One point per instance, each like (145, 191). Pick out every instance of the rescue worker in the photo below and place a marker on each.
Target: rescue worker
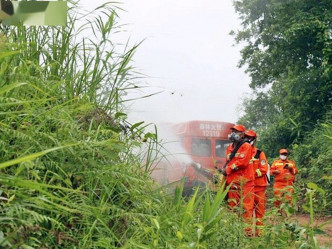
(284, 171)
(239, 175)
(260, 167)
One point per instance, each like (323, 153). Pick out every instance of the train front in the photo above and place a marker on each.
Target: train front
(205, 142)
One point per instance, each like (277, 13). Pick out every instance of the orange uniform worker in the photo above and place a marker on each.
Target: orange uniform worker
(238, 173)
(284, 171)
(260, 166)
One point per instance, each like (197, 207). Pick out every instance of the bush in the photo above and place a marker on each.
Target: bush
(314, 158)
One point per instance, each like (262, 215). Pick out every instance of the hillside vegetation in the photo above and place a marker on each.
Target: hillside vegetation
(288, 54)
(70, 177)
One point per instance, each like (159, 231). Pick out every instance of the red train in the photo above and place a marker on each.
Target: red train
(197, 144)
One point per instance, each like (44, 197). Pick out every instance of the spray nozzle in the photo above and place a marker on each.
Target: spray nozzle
(196, 165)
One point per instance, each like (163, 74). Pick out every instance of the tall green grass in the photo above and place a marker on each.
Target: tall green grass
(65, 179)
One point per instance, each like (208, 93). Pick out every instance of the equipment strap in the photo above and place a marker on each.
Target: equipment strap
(257, 154)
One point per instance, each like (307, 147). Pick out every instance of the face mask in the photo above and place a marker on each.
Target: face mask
(283, 157)
(234, 137)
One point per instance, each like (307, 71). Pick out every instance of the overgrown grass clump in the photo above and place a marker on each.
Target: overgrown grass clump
(69, 175)
(315, 156)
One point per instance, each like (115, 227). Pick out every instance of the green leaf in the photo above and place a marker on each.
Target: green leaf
(150, 135)
(206, 210)
(330, 137)
(178, 194)
(10, 87)
(325, 223)
(136, 125)
(314, 186)
(120, 115)
(7, 54)
(33, 156)
(189, 211)
(156, 223)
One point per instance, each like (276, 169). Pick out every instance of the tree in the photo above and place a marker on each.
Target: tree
(288, 52)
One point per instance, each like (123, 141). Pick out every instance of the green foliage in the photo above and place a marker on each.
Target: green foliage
(66, 178)
(293, 36)
(288, 56)
(314, 156)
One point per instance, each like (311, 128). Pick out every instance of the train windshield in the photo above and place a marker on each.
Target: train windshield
(221, 146)
(201, 147)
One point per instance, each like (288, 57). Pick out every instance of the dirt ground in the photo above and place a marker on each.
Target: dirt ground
(324, 240)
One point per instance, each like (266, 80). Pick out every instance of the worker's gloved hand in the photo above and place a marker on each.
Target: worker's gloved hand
(258, 172)
(286, 166)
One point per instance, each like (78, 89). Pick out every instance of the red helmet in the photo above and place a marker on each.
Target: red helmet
(250, 133)
(240, 128)
(283, 151)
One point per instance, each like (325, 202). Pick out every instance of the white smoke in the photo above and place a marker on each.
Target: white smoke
(170, 159)
(171, 145)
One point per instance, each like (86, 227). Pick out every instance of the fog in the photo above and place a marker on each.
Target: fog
(171, 159)
(187, 56)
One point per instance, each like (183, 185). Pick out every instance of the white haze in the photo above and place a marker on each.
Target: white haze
(170, 157)
(187, 55)
(171, 145)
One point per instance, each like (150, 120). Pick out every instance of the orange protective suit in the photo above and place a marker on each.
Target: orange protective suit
(260, 166)
(284, 179)
(241, 178)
